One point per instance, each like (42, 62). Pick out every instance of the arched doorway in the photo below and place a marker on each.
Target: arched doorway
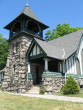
(78, 66)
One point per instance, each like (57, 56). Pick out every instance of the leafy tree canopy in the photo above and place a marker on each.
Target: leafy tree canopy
(3, 51)
(60, 30)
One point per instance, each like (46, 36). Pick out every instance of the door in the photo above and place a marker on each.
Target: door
(37, 75)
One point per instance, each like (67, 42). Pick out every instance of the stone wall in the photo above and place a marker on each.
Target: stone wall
(17, 65)
(54, 84)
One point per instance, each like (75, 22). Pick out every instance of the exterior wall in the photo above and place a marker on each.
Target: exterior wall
(79, 55)
(55, 84)
(75, 62)
(52, 84)
(71, 65)
(17, 65)
(1, 77)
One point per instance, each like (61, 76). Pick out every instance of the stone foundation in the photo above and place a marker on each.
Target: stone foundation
(55, 84)
(52, 85)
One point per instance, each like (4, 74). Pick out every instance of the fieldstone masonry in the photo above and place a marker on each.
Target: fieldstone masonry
(52, 84)
(17, 66)
(16, 70)
(55, 84)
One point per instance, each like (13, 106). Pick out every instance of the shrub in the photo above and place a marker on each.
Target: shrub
(0, 88)
(71, 86)
(42, 90)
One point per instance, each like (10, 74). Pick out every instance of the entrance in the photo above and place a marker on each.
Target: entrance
(37, 75)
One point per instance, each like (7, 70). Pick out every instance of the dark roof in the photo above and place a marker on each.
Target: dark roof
(68, 42)
(63, 47)
(27, 13)
(50, 50)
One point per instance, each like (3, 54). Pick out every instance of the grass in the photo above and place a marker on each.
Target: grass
(12, 102)
(72, 95)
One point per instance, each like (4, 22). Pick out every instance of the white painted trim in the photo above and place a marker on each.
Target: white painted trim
(63, 53)
(46, 63)
(29, 68)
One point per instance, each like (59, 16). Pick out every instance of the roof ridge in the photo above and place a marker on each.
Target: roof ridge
(48, 44)
(66, 35)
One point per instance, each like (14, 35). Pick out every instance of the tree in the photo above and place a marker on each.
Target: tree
(3, 51)
(71, 86)
(60, 31)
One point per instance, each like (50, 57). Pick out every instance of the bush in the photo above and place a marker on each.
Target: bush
(0, 88)
(71, 86)
(42, 90)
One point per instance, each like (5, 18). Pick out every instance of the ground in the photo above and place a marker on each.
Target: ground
(13, 102)
(71, 95)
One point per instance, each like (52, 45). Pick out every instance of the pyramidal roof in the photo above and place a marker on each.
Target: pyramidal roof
(28, 14)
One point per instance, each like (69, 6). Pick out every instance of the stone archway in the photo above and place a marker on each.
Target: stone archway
(78, 66)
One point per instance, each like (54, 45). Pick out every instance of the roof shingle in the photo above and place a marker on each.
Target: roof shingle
(63, 47)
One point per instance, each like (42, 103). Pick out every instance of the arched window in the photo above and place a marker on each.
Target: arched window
(78, 66)
(33, 27)
(16, 27)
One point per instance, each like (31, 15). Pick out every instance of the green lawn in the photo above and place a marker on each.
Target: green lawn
(12, 102)
(72, 95)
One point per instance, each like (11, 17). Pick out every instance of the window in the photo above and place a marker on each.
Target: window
(78, 66)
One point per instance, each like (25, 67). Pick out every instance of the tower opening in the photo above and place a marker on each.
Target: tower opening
(33, 27)
(16, 28)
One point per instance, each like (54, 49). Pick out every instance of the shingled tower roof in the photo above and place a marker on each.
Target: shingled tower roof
(26, 13)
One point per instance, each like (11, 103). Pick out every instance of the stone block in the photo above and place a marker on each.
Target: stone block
(48, 79)
(45, 83)
(48, 88)
(81, 83)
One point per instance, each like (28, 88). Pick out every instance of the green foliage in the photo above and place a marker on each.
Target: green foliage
(42, 90)
(60, 31)
(71, 86)
(0, 88)
(3, 51)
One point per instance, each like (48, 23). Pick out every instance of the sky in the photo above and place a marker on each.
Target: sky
(50, 12)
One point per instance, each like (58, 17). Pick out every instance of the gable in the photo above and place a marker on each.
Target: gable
(35, 51)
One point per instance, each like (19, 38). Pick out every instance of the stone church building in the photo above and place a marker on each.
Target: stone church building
(33, 61)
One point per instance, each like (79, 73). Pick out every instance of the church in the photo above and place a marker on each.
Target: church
(33, 61)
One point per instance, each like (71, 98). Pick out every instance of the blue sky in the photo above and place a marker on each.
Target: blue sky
(50, 12)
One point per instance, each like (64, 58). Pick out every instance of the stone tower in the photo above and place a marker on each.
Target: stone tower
(22, 30)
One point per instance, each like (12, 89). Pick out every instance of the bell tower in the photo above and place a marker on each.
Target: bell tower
(26, 22)
(22, 30)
